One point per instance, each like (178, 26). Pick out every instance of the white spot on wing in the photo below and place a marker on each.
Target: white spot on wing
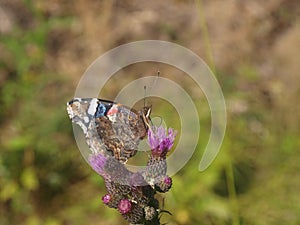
(93, 106)
(70, 111)
(86, 119)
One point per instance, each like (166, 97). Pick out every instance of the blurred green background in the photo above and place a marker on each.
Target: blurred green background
(45, 47)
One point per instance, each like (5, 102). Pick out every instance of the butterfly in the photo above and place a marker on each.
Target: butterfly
(110, 127)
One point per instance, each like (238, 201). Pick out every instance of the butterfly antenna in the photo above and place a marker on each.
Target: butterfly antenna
(154, 82)
(150, 87)
(145, 94)
(156, 79)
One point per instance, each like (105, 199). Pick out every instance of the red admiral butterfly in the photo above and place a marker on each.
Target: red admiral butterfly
(110, 127)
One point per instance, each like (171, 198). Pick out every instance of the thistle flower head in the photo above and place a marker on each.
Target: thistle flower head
(124, 206)
(168, 180)
(106, 198)
(161, 141)
(164, 184)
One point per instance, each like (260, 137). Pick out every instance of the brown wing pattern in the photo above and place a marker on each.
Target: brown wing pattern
(122, 135)
(109, 127)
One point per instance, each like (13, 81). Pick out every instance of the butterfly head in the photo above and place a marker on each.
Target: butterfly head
(146, 111)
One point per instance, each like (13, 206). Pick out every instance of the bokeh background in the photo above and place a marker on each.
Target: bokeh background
(253, 47)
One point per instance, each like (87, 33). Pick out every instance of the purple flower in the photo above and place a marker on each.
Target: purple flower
(168, 180)
(160, 141)
(124, 206)
(98, 162)
(106, 198)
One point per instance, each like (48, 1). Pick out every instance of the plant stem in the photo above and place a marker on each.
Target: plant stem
(232, 193)
(204, 29)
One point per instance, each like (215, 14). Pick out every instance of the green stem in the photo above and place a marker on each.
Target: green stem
(204, 29)
(232, 194)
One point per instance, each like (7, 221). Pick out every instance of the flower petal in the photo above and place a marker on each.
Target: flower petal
(161, 141)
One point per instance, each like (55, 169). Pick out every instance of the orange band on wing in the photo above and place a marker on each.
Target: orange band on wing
(113, 110)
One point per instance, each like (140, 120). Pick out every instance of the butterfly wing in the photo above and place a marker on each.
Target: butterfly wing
(108, 126)
(121, 130)
(82, 112)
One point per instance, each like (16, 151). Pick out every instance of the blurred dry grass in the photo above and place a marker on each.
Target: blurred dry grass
(45, 48)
